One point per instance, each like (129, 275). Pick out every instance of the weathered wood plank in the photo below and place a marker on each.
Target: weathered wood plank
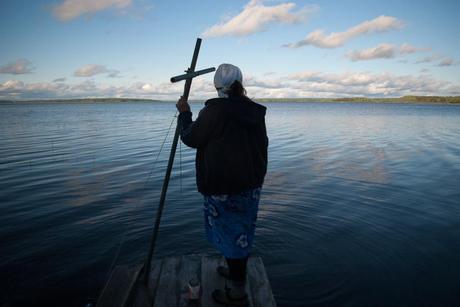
(248, 291)
(262, 295)
(167, 293)
(144, 296)
(118, 289)
(190, 268)
(210, 280)
(169, 279)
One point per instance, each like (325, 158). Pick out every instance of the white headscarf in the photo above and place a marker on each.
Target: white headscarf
(224, 77)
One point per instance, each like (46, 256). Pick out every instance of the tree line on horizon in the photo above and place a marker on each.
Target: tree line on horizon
(402, 99)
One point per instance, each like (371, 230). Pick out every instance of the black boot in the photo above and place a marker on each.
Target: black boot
(223, 271)
(233, 296)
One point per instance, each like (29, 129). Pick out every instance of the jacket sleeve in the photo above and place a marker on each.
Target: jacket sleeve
(197, 133)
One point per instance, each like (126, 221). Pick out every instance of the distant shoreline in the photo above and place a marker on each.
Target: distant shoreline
(403, 99)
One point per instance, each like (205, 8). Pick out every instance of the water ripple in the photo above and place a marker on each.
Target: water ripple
(360, 206)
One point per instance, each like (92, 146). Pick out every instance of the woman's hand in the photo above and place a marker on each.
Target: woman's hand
(182, 105)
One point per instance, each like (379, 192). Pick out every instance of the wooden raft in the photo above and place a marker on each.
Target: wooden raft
(168, 284)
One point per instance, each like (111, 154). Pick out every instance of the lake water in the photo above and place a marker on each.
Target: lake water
(361, 204)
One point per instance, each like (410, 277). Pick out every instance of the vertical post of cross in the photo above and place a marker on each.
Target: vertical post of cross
(190, 74)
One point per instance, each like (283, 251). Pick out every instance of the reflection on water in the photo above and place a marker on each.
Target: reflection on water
(360, 205)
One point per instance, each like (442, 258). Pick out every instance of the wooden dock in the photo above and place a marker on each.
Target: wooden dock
(168, 284)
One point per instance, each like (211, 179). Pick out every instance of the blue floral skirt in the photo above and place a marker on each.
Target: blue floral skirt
(230, 222)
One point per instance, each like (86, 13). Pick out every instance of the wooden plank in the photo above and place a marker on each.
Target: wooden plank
(118, 289)
(167, 293)
(248, 290)
(260, 286)
(169, 279)
(144, 296)
(210, 280)
(190, 268)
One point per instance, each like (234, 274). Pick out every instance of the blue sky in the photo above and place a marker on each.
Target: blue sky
(130, 48)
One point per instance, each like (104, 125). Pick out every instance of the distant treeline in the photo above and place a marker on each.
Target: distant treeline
(403, 99)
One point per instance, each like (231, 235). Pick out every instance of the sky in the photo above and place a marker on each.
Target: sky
(285, 49)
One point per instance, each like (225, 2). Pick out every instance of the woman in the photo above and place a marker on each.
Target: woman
(231, 161)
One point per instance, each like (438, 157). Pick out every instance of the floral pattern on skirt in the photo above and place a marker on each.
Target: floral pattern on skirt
(230, 221)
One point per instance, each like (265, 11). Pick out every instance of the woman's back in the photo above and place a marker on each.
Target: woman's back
(234, 158)
(231, 161)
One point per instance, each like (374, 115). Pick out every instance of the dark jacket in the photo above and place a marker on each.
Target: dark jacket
(231, 141)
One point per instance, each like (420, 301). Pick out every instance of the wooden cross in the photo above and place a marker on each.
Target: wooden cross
(190, 74)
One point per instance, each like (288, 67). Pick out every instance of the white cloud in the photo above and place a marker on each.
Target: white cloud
(90, 70)
(443, 61)
(427, 59)
(382, 51)
(370, 84)
(113, 73)
(14, 89)
(350, 84)
(407, 49)
(256, 16)
(70, 9)
(319, 39)
(446, 62)
(95, 69)
(301, 84)
(20, 66)
(12, 84)
(267, 83)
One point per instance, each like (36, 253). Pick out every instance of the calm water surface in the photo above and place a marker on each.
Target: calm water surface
(361, 205)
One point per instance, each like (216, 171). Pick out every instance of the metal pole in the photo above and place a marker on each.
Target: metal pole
(187, 86)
